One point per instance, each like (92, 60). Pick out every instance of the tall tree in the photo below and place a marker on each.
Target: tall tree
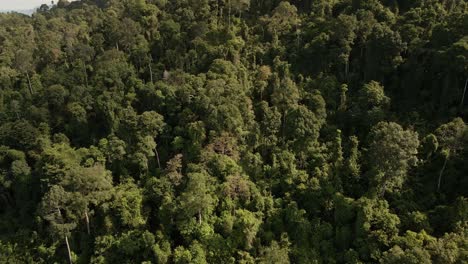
(451, 137)
(392, 151)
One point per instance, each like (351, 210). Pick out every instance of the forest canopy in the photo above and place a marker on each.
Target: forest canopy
(235, 131)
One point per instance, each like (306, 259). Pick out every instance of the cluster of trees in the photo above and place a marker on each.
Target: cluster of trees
(234, 131)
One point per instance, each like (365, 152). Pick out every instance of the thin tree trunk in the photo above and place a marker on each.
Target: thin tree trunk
(151, 72)
(85, 73)
(157, 157)
(441, 173)
(229, 14)
(298, 36)
(275, 38)
(29, 83)
(221, 15)
(87, 222)
(151, 69)
(383, 190)
(464, 92)
(199, 217)
(69, 252)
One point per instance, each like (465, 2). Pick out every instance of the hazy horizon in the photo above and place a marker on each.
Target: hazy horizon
(15, 5)
(22, 5)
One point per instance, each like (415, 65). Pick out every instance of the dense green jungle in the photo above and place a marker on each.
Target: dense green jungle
(235, 131)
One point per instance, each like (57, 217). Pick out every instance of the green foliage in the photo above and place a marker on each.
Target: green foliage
(127, 203)
(392, 151)
(376, 227)
(276, 252)
(234, 131)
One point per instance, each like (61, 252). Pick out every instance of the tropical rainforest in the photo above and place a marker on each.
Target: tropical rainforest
(235, 131)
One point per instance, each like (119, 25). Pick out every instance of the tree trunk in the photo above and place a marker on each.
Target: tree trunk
(151, 72)
(463, 96)
(298, 37)
(221, 14)
(283, 125)
(29, 84)
(157, 157)
(69, 252)
(383, 190)
(151, 69)
(87, 222)
(385, 181)
(85, 73)
(441, 173)
(229, 14)
(199, 217)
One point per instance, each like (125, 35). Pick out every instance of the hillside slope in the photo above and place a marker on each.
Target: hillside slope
(235, 131)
